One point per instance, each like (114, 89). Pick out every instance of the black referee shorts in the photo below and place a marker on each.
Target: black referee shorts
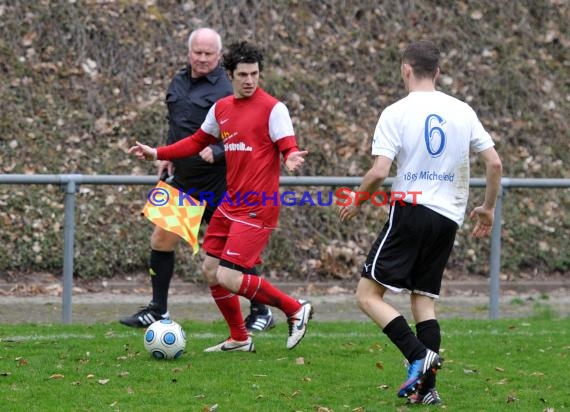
(412, 250)
(185, 186)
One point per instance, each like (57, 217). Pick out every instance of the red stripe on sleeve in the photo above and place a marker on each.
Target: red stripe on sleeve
(287, 145)
(189, 146)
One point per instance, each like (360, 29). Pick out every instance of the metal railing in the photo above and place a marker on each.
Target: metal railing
(70, 185)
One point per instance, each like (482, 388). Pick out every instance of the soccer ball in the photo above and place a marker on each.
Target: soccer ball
(165, 339)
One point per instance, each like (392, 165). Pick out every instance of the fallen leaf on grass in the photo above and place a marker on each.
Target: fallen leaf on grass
(103, 381)
(511, 398)
(210, 408)
(323, 409)
(379, 365)
(499, 369)
(300, 361)
(375, 347)
(22, 361)
(57, 376)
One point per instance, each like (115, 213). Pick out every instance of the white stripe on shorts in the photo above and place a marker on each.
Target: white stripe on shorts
(372, 273)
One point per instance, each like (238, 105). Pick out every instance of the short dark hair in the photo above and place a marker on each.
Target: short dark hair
(242, 52)
(423, 56)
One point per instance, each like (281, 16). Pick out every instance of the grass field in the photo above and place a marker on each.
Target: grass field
(503, 365)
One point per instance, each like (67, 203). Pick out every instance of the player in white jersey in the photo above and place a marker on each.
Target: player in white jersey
(430, 135)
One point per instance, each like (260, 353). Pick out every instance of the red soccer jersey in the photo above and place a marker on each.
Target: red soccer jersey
(254, 131)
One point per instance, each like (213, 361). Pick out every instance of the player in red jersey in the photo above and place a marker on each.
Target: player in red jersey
(256, 130)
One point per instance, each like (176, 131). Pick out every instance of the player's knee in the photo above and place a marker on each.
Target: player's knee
(163, 240)
(229, 279)
(223, 278)
(209, 272)
(363, 299)
(423, 307)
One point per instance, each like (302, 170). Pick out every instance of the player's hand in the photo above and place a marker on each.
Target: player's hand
(484, 222)
(295, 160)
(207, 154)
(143, 152)
(348, 212)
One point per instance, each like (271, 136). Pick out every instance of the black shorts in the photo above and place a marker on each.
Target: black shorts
(412, 250)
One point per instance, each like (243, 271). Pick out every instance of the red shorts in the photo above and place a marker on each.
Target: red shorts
(236, 241)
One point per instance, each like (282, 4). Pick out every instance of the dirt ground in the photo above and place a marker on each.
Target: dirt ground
(37, 299)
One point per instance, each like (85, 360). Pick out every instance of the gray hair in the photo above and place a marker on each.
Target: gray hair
(205, 30)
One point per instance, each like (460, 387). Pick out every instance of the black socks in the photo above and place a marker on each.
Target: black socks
(429, 333)
(400, 333)
(161, 270)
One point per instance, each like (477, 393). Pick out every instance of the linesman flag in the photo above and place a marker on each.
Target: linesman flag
(166, 208)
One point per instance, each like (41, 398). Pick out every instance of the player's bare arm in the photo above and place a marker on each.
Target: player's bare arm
(370, 183)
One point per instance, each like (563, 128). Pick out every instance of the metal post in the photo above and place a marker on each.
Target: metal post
(68, 239)
(495, 260)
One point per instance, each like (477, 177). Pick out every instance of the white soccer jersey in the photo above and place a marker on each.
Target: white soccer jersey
(430, 135)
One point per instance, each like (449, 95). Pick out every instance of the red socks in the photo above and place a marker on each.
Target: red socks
(262, 291)
(254, 288)
(230, 307)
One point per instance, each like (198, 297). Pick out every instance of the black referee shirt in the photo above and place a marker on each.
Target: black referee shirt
(188, 101)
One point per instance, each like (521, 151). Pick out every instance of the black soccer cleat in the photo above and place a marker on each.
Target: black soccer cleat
(144, 317)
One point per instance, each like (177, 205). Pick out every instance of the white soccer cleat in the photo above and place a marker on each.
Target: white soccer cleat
(230, 345)
(298, 324)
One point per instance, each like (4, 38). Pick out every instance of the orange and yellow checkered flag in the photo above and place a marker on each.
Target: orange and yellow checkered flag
(173, 210)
